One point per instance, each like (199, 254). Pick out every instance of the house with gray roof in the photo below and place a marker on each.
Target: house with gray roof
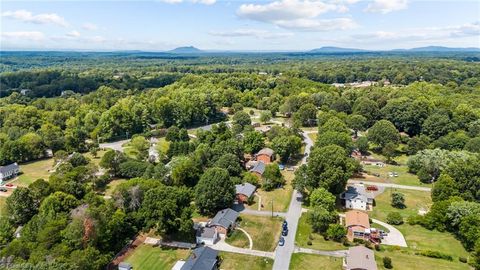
(258, 169)
(202, 258)
(206, 235)
(244, 192)
(224, 220)
(356, 197)
(359, 258)
(9, 171)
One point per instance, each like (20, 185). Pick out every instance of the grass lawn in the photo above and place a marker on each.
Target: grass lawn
(265, 231)
(313, 136)
(162, 145)
(244, 262)
(311, 261)
(406, 260)
(95, 160)
(280, 196)
(404, 177)
(3, 201)
(113, 185)
(34, 170)
(238, 239)
(147, 257)
(304, 230)
(414, 200)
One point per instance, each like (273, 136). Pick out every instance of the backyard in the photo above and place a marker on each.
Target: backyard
(34, 170)
(244, 262)
(406, 260)
(304, 230)
(414, 200)
(147, 257)
(280, 196)
(312, 261)
(264, 231)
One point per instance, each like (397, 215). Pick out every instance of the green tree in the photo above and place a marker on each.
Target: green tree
(306, 115)
(214, 191)
(265, 116)
(253, 141)
(21, 205)
(320, 218)
(140, 147)
(390, 151)
(111, 160)
(286, 146)
(398, 200)
(382, 133)
(444, 188)
(321, 197)
(242, 119)
(362, 145)
(336, 232)
(230, 162)
(356, 122)
(394, 218)
(368, 109)
(272, 177)
(387, 262)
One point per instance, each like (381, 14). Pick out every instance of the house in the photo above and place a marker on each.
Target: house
(125, 266)
(358, 225)
(357, 197)
(224, 221)
(25, 92)
(359, 258)
(9, 171)
(258, 169)
(18, 231)
(207, 235)
(265, 155)
(244, 192)
(202, 258)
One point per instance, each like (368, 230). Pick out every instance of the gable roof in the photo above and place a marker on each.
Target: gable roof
(225, 218)
(258, 168)
(246, 189)
(357, 218)
(360, 257)
(9, 167)
(202, 258)
(357, 191)
(265, 151)
(206, 232)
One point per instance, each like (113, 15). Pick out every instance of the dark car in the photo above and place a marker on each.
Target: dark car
(3, 189)
(281, 242)
(285, 224)
(285, 232)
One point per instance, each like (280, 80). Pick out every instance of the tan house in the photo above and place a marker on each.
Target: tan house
(359, 258)
(265, 155)
(358, 224)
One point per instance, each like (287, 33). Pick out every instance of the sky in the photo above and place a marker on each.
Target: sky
(240, 25)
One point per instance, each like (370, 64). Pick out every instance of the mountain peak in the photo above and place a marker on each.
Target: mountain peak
(186, 49)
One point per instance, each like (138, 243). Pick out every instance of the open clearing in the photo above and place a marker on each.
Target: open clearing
(311, 261)
(279, 196)
(414, 200)
(147, 257)
(244, 262)
(405, 260)
(34, 170)
(264, 231)
(304, 230)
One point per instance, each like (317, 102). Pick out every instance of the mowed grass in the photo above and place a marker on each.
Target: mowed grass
(313, 136)
(265, 231)
(244, 262)
(113, 185)
(406, 260)
(34, 170)
(302, 261)
(414, 200)
(95, 160)
(238, 239)
(147, 257)
(280, 197)
(304, 230)
(3, 202)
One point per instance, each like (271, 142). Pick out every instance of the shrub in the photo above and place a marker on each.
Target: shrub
(435, 254)
(462, 259)
(387, 262)
(398, 200)
(394, 218)
(309, 242)
(336, 232)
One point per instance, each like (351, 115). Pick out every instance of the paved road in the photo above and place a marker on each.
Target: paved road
(427, 189)
(333, 253)
(114, 145)
(283, 254)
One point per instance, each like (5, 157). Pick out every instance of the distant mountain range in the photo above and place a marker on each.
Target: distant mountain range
(187, 49)
(335, 50)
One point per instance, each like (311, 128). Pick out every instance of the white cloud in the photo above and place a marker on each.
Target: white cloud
(386, 6)
(261, 34)
(73, 34)
(29, 36)
(27, 16)
(90, 26)
(205, 2)
(298, 14)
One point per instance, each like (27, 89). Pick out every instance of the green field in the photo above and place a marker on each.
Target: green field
(405, 260)
(95, 160)
(304, 230)
(238, 239)
(280, 197)
(34, 170)
(244, 262)
(265, 231)
(301, 261)
(414, 200)
(2, 205)
(147, 257)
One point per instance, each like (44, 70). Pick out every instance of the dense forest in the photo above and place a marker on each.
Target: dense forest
(424, 106)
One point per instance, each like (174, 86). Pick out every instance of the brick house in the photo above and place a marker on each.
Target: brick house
(224, 221)
(265, 155)
(358, 224)
(244, 192)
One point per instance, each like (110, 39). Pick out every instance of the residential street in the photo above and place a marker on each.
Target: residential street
(427, 189)
(284, 254)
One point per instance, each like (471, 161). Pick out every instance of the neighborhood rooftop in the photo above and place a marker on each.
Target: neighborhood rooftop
(357, 190)
(259, 167)
(355, 217)
(203, 258)
(8, 168)
(360, 257)
(206, 232)
(265, 151)
(225, 218)
(246, 189)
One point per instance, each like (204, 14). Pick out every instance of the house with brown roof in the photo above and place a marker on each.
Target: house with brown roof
(359, 258)
(358, 224)
(266, 155)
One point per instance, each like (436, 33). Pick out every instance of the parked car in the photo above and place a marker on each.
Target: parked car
(9, 185)
(285, 232)
(372, 188)
(395, 174)
(3, 189)
(390, 174)
(284, 224)
(281, 242)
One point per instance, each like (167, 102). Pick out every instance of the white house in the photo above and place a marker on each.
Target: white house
(9, 171)
(207, 235)
(356, 197)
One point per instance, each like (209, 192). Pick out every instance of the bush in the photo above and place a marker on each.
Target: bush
(387, 262)
(394, 218)
(309, 242)
(435, 254)
(398, 200)
(132, 169)
(462, 259)
(336, 232)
